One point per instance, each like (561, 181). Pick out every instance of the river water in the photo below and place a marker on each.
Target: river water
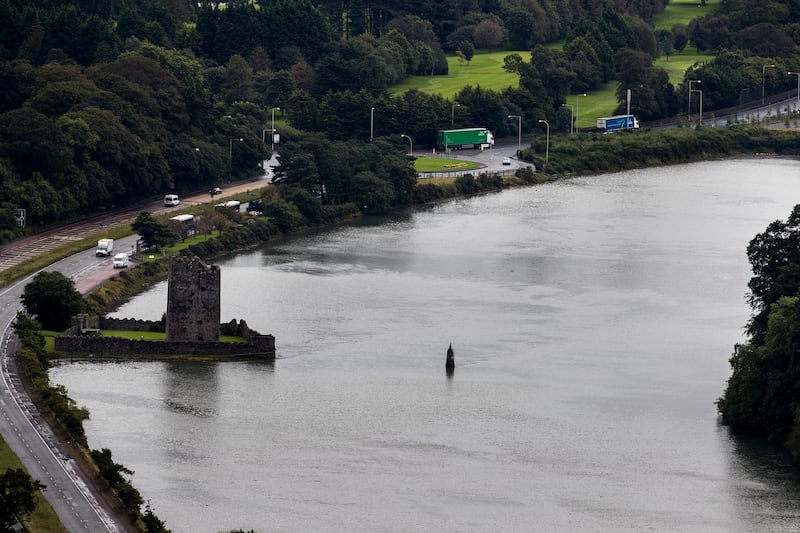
(592, 321)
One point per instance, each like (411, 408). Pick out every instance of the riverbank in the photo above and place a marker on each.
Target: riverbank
(592, 321)
(252, 234)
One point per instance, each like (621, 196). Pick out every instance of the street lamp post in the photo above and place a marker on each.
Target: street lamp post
(272, 137)
(453, 114)
(571, 117)
(689, 115)
(763, 81)
(797, 107)
(230, 154)
(547, 144)
(700, 120)
(371, 123)
(577, 100)
(410, 143)
(519, 131)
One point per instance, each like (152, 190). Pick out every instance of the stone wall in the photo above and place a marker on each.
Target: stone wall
(82, 338)
(132, 324)
(193, 300)
(262, 346)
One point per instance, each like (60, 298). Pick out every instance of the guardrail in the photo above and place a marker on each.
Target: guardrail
(459, 173)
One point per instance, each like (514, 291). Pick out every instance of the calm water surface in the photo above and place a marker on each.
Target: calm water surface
(592, 321)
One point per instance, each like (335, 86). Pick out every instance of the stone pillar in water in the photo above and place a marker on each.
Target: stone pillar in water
(450, 364)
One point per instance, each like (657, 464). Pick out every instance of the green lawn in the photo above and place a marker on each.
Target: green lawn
(441, 164)
(157, 336)
(682, 12)
(485, 69)
(677, 64)
(599, 103)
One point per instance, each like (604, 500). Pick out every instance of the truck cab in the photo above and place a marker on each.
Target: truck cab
(104, 247)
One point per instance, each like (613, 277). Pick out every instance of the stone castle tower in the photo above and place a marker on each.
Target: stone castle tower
(193, 300)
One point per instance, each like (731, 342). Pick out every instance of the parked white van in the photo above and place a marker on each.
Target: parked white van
(171, 200)
(121, 260)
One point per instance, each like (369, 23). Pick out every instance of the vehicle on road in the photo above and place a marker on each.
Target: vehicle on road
(171, 200)
(506, 161)
(104, 247)
(121, 260)
(230, 204)
(464, 138)
(215, 190)
(617, 122)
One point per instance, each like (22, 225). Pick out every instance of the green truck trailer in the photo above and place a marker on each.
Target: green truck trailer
(464, 138)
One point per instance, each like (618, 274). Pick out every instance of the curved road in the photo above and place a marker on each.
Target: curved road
(69, 491)
(490, 160)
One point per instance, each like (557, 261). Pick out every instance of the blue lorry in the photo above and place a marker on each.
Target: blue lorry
(617, 122)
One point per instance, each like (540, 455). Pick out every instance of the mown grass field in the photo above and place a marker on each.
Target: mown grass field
(677, 64)
(485, 69)
(682, 12)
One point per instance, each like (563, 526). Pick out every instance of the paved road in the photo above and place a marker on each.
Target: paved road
(68, 490)
(489, 160)
(23, 250)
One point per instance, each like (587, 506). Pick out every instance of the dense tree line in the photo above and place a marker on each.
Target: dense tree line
(763, 393)
(108, 103)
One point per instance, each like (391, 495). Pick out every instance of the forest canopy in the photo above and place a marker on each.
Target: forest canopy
(107, 104)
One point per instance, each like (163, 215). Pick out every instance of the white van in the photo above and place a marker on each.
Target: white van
(171, 200)
(121, 260)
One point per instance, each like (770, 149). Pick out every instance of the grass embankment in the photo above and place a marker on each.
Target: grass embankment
(39, 262)
(43, 519)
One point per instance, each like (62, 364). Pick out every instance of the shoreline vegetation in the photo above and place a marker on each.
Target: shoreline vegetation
(570, 156)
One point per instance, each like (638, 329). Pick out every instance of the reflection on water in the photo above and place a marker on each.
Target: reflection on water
(592, 321)
(766, 480)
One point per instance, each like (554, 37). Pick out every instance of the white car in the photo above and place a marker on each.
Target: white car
(506, 161)
(121, 260)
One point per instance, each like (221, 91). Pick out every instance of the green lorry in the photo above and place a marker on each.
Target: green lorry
(464, 138)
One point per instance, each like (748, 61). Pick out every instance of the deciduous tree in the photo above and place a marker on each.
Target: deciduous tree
(52, 298)
(153, 232)
(488, 34)
(17, 496)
